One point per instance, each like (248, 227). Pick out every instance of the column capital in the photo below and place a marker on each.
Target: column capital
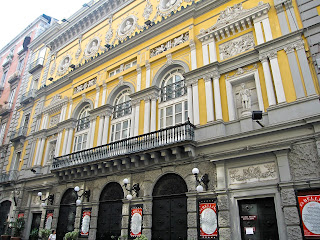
(289, 48)
(104, 85)
(147, 65)
(263, 57)
(138, 69)
(272, 54)
(299, 45)
(97, 88)
(279, 8)
(192, 44)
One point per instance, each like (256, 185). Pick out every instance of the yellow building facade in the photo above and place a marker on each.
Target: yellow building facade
(154, 91)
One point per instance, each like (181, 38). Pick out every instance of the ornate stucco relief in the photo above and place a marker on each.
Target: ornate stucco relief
(127, 26)
(254, 173)
(84, 86)
(64, 65)
(169, 44)
(54, 120)
(236, 46)
(165, 7)
(78, 52)
(92, 47)
(147, 10)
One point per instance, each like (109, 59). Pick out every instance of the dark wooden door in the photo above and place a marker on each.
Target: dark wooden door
(36, 219)
(258, 215)
(169, 218)
(67, 213)
(169, 210)
(110, 212)
(4, 212)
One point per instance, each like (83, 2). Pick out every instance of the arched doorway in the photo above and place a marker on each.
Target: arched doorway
(4, 213)
(169, 210)
(67, 213)
(110, 212)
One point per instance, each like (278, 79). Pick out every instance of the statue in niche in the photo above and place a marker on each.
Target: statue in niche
(93, 47)
(245, 95)
(65, 64)
(127, 27)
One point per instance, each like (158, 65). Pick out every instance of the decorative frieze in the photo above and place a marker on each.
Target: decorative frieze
(254, 173)
(55, 105)
(54, 120)
(64, 65)
(236, 46)
(147, 10)
(241, 71)
(169, 44)
(84, 86)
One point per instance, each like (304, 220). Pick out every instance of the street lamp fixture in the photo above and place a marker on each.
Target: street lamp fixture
(50, 199)
(204, 180)
(86, 194)
(133, 190)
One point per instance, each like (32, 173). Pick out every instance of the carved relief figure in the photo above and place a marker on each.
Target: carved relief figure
(64, 65)
(93, 47)
(245, 95)
(127, 27)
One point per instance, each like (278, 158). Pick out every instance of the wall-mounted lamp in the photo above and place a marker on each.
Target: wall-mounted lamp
(86, 5)
(256, 116)
(86, 194)
(135, 188)
(199, 182)
(65, 20)
(72, 66)
(50, 79)
(50, 199)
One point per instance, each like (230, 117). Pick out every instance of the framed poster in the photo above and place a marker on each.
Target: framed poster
(135, 221)
(20, 215)
(85, 222)
(48, 220)
(208, 220)
(309, 206)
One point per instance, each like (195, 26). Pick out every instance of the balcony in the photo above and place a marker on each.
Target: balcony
(18, 134)
(15, 76)
(8, 177)
(28, 96)
(36, 65)
(5, 109)
(169, 144)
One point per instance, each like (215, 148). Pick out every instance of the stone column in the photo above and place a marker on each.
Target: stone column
(146, 127)
(205, 53)
(190, 103)
(104, 93)
(40, 152)
(306, 73)
(100, 130)
(147, 217)
(195, 102)
(57, 150)
(70, 109)
(37, 152)
(66, 140)
(91, 131)
(136, 118)
(294, 68)
(45, 121)
(230, 100)
(277, 76)
(125, 217)
(213, 51)
(70, 140)
(138, 78)
(217, 96)
(291, 215)
(267, 29)
(106, 125)
(46, 154)
(193, 54)
(224, 216)
(96, 102)
(148, 74)
(259, 33)
(133, 113)
(94, 221)
(291, 16)
(153, 118)
(268, 79)
(192, 215)
(282, 19)
(209, 98)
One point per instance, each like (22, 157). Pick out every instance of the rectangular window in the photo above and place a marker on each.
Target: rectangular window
(80, 142)
(20, 64)
(120, 130)
(2, 130)
(11, 97)
(173, 115)
(3, 79)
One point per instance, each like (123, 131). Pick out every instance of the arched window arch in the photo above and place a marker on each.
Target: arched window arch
(173, 106)
(82, 129)
(121, 117)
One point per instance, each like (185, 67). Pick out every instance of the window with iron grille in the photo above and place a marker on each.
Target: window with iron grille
(82, 130)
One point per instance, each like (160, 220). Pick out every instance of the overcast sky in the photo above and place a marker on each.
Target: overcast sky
(16, 15)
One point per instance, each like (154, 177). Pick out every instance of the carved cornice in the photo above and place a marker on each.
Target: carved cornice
(101, 111)
(69, 123)
(55, 105)
(59, 35)
(232, 19)
(145, 94)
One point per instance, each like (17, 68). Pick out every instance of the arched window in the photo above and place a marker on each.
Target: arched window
(173, 106)
(121, 117)
(82, 130)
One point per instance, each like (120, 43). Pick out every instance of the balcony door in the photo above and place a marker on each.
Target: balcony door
(110, 212)
(67, 213)
(169, 211)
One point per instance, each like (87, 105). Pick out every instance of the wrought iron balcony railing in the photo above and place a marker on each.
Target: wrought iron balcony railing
(28, 96)
(18, 133)
(36, 65)
(83, 123)
(160, 138)
(174, 90)
(122, 109)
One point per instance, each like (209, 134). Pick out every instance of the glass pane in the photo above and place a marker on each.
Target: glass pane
(179, 118)
(178, 78)
(178, 108)
(169, 121)
(134, 63)
(169, 111)
(117, 137)
(124, 133)
(112, 133)
(125, 124)
(118, 126)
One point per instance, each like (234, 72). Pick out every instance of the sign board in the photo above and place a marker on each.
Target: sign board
(135, 221)
(85, 222)
(208, 219)
(48, 221)
(310, 213)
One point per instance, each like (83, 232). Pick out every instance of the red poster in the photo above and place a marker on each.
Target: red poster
(310, 214)
(86, 215)
(20, 215)
(208, 220)
(136, 222)
(49, 220)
